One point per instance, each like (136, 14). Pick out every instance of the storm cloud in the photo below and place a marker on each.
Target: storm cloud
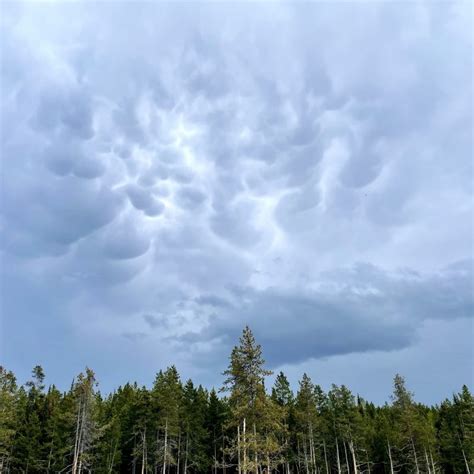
(172, 173)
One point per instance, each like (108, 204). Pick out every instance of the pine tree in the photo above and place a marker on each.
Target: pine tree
(167, 395)
(217, 422)
(283, 397)
(85, 430)
(245, 378)
(60, 427)
(171, 429)
(28, 452)
(455, 424)
(409, 424)
(306, 419)
(8, 417)
(194, 436)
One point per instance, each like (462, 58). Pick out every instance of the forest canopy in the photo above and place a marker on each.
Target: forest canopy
(177, 427)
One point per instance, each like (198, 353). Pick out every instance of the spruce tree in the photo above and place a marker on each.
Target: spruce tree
(251, 409)
(8, 417)
(167, 395)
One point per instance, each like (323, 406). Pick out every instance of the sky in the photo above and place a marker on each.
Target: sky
(172, 172)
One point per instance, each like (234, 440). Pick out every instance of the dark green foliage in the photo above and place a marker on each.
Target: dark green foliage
(183, 429)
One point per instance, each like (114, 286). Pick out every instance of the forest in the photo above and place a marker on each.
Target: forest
(243, 427)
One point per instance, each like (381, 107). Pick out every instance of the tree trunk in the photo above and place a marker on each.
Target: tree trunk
(468, 470)
(255, 447)
(75, 461)
(112, 458)
(390, 458)
(312, 451)
(415, 457)
(432, 463)
(223, 452)
(347, 459)
(244, 440)
(144, 453)
(354, 460)
(238, 449)
(214, 464)
(325, 457)
(306, 462)
(49, 459)
(134, 460)
(179, 452)
(166, 446)
(186, 455)
(338, 458)
(298, 465)
(427, 462)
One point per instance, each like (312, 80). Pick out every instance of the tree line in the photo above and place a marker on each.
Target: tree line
(177, 427)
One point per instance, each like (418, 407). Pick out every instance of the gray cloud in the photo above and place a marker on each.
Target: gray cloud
(209, 169)
(355, 310)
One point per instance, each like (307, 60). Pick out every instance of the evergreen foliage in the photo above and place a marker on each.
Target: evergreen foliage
(180, 428)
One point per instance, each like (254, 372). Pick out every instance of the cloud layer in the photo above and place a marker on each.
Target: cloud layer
(171, 174)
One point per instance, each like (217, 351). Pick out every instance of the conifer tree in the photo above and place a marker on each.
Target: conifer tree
(245, 378)
(8, 417)
(283, 397)
(85, 429)
(171, 429)
(217, 422)
(167, 395)
(306, 419)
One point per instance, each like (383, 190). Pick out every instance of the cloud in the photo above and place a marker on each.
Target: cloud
(209, 168)
(360, 309)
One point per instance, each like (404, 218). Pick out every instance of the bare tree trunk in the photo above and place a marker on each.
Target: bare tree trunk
(432, 463)
(186, 455)
(306, 456)
(49, 459)
(347, 459)
(112, 458)
(312, 451)
(255, 447)
(179, 452)
(390, 458)
(468, 470)
(298, 465)
(223, 452)
(427, 462)
(415, 456)
(166, 446)
(144, 453)
(214, 464)
(77, 441)
(134, 461)
(238, 449)
(245, 447)
(325, 457)
(354, 460)
(338, 458)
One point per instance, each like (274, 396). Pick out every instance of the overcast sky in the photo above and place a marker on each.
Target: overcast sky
(172, 172)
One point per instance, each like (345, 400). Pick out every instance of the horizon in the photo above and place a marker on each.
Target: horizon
(173, 172)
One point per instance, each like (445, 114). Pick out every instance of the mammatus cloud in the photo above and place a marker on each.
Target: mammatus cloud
(171, 175)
